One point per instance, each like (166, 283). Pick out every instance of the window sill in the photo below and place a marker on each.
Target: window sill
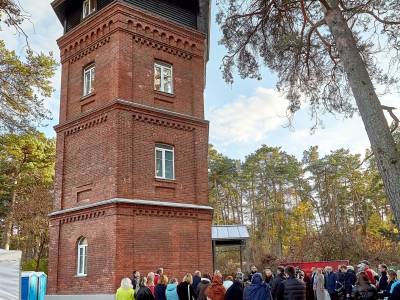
(162, 96)
(83, 98)
(80, 276)
(165, 183)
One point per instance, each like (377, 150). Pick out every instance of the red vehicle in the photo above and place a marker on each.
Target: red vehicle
(306, 266)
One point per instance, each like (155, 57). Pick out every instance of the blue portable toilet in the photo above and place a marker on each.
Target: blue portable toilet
(29, 285)
(42, 286)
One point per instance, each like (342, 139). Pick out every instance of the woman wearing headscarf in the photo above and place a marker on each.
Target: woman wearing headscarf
(257, 290)
(216, 290)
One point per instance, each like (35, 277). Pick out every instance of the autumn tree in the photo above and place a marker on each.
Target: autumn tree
(24, 82)
(26, 173)
(326, 53)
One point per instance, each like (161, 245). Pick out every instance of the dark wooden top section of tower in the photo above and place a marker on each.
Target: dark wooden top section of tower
(191, 13)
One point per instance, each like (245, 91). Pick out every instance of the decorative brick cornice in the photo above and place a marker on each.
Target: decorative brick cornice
(86, 125)
(162, 122)
(89, 49)
(163, 47)
(82, 217)
(163, 212)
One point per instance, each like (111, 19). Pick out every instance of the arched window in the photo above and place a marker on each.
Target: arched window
(82, 257)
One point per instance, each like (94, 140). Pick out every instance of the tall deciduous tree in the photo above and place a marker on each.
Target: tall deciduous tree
(325, 52)
(24, 83)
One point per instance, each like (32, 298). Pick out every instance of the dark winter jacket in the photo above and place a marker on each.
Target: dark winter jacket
(340, 277)
(257, 290)
(196, 281)
(185, 291)
(268, 280)
(144, 293)
(275, 285)
(371, 293)
(201, 289)
(235, 292)
(331, 282)
(383, 282)
(292, 289)
(159, 292)
(350, 279)
(250, 278)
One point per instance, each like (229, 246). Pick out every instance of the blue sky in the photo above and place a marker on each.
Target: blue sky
(242, 116)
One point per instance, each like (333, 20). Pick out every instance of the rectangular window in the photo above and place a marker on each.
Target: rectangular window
(163, 77)
(164, 161)
(88, 80)
(82, 257)
(88, 7)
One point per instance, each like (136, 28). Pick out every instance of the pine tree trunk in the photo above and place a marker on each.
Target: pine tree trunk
(369, 106)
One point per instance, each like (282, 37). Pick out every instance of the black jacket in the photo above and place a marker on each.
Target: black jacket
(196, 281)
(159, 292)
(383, 282)
(292, 289)
(235, 292)
(350, 279)
(185, 291)
(370, 294)
(144, 293)
(275, 285)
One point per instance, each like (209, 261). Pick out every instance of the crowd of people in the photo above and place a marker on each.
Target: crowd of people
(288, 283)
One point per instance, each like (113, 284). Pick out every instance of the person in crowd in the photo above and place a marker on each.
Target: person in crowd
(202, 287)
(314, 273)
(258, 289)
(240, 274)
(253, 270)
(395, 283)
(161, 287)
(196, 279)
(364, 267)
(135, 280)
(309, 287)
(269, 276)
(363, 289)
(216, 290)
(150, 282)
(350, 279)
(292, 288)
(340, 277)
(331, 282)
(170, 292)
(157, 275)
(228, 282)
(144, 293)
(126, 291)
(235, 292)
(276, 282)
(185, 289)
(319, 286)
(383, 280)
(395, 295)
(392, 279)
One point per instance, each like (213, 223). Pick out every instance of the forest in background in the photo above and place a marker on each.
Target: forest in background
(317, 208)
(322, 207)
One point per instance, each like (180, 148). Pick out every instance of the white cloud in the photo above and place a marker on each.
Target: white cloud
(248, 118)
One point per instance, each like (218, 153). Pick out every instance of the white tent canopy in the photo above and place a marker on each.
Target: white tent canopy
(10, 262)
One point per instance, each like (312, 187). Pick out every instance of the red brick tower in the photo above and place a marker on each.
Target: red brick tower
(131, 172)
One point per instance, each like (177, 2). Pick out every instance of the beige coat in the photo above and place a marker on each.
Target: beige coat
(320, 291)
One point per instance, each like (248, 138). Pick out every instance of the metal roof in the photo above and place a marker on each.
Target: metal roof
(230, 232)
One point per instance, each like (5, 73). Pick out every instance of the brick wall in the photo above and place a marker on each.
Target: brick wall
(105, 150)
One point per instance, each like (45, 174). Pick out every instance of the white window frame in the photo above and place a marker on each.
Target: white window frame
(91, 5)
(84, 248)
(163, 66)
(88, 85)
(164, 148)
